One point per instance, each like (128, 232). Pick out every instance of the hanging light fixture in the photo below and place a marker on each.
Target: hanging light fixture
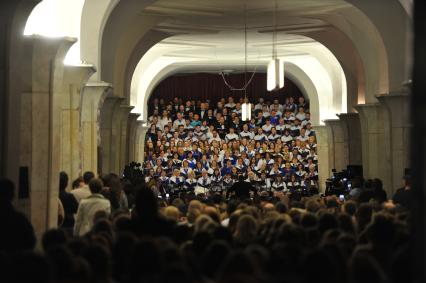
(246, 106)
(246, 111)
(275, 72)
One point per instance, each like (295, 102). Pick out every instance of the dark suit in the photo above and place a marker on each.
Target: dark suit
(203, 114)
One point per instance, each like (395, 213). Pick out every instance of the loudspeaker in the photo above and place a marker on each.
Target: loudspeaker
(355, 171)
(24, 183)
(407, 172)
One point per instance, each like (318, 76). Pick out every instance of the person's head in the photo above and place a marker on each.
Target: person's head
(63, 181)
(95, 186)
(172, 213)
(349, 207)
(87, 176)
(77, 183)
(146, 205)
(246, 229)
(7, 190)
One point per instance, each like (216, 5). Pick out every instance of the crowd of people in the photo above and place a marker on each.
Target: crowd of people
(125, 230)
(195, 147)
(127, 234)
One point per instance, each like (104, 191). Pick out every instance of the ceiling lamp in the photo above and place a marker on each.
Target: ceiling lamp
(246, 111)
(246, 106)
(275, 72)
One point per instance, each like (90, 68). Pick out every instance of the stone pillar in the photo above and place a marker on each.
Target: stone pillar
(351, 127)
(339, 147)
(323, 151)
(376, 159)
(119, 153)
(93, 98)
(397, 105)
(15, 78)
(142, 129)
(74, 79)
(107, 135)
(131, 138)
(40, 129)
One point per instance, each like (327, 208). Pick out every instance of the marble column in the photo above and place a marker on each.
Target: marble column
(323, 151)
(107, 135)
(351, 127)
(398, 107)
(40, 129)
(119, 138)
(131, 139)
(141, 131)
(376, 158)
(74, 79)
(94, 95)
(337, 144)
(15, 79)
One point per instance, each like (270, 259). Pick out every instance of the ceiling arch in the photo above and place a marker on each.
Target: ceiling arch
(378, 43)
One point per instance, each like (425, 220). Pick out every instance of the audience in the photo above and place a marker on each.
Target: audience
(215, 205)
(211, 239)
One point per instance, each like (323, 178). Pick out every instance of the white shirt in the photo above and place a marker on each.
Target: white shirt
(276, 185)
(204, 182)
(247, 134)
(267, 128)
(230, 137)
(275, 137)
(260, 137)
(81, 193)
(302, 138)
(86, 211)
(217, 138)
(164, 121)
(230, 105)
(286, 138)
(178, 123)
(301, 116)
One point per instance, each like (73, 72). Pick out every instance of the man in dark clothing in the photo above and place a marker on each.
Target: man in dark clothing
(17, 232)
(403, 196)
(241, 189)
(68, 201)
(146, 221)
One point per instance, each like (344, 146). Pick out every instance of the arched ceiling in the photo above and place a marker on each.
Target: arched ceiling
(224, 51)
(370, 41)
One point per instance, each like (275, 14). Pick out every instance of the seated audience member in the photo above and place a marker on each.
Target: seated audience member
(89, 206)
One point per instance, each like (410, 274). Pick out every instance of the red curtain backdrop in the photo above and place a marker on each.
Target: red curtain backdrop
(202, 86)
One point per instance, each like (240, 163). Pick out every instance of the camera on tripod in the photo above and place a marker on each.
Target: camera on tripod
(340, 182)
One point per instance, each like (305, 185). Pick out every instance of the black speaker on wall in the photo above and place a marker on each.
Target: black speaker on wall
(355, 171)
(407, 172)
(24, 183)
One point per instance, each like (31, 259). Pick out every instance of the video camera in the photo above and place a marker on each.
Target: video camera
(340, 182)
